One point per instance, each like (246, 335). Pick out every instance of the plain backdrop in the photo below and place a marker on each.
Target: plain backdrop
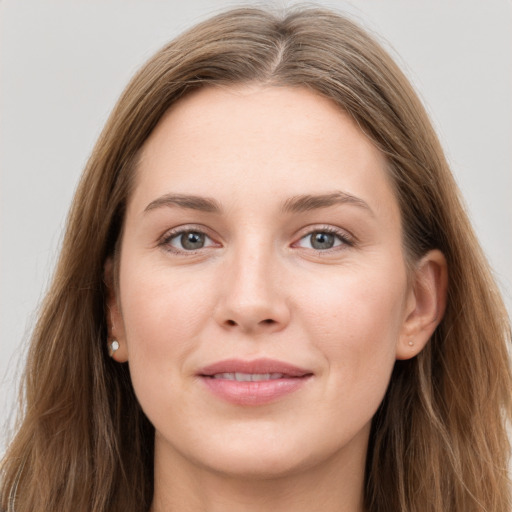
(64, 63)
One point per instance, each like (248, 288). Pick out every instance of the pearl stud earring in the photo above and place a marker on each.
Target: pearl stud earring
(113, 346)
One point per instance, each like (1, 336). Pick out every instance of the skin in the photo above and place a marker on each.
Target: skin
(259, 287)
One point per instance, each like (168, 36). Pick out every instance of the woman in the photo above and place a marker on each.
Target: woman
(268, 297)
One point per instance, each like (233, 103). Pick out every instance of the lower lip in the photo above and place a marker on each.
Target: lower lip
(254, 392)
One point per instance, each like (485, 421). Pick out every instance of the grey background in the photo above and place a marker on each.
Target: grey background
(64, 63)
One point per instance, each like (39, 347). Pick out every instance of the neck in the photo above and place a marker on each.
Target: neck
(335, 485)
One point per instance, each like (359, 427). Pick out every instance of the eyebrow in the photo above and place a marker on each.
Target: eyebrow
(296, 204)
(304, 203)
(204, 204)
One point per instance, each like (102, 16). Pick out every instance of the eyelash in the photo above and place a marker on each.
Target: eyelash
(165, 242)
(345, 239)
(177, 232)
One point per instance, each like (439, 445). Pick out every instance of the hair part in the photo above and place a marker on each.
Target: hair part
(438, 440)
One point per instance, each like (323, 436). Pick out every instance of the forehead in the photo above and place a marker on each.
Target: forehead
(269, 141)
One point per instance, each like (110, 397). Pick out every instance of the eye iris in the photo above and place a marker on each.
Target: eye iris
(322, 240)
(192, 240)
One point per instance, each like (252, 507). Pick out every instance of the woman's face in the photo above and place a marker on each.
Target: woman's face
(263, 296)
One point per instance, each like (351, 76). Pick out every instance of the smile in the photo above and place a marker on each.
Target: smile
(248, 377)
(252, 383)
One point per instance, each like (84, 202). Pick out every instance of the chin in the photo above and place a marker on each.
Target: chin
(264, 456)
(260, 465)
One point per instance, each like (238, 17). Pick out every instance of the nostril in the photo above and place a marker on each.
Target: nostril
(249, 324)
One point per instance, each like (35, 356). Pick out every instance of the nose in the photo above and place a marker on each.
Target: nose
(253, 298)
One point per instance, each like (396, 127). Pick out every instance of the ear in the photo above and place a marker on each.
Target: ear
(114, 315)
(425, 306)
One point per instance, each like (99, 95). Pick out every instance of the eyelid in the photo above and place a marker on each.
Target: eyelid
(346, 238)
(170, 234)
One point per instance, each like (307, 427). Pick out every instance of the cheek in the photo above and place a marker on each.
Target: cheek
(163, 314)
(156, 299)
(355, 323)
(354, 302)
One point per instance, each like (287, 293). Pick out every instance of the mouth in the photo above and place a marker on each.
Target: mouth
(256, 382)
(248, 377)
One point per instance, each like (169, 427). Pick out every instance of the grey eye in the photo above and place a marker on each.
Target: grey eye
(189, 240)
(322, 240)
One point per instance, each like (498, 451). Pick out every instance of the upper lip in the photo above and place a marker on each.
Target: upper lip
(256, 366)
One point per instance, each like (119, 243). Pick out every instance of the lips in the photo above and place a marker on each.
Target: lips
(248, 377)
(257, 366)
(256, 382)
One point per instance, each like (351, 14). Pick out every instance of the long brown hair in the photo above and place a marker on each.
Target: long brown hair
(438, 441)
